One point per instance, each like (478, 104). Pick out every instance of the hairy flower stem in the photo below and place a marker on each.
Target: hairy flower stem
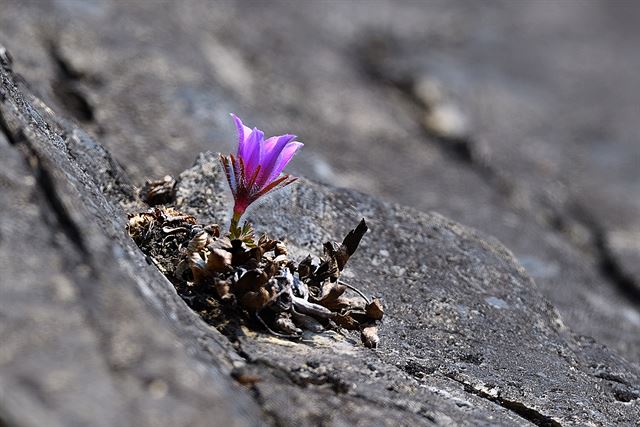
(235, 220)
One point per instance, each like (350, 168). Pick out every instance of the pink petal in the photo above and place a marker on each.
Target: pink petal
(253, 147)
(285, 157)
(272, 149)
(243, 134)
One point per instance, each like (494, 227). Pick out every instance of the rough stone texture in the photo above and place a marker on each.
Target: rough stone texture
(547, 163)
(463, 318)
(547, 160)
(93, 334)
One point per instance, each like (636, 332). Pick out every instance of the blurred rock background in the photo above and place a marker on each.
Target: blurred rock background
(517, 118)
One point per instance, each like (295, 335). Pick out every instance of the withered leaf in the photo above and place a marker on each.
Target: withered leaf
(331, 291)
(173, 215)
(345, 321)
(280, 249)
(343, 252)
(369, 336)
(266, 243)
(256, 275)
(359, 316)
(352, 240)
(330, 294)
(213, 229)
(256, 253)
(222, 243)
(254, 301)
(139, 224)
(250, 281)
(181, 269)
(305, 269)
(328, 269)
(281, 259)
(222, 288)
(197, 267)
(241, 258)
(286, 325)
(198, 242)
(304, 306)
(374, 309)
(307, 322)
(157, 192)
(218, 260)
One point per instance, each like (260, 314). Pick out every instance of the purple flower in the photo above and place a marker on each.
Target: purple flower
(255, 171)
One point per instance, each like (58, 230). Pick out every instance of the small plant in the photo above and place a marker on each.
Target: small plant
(256, 169)
(235, 278)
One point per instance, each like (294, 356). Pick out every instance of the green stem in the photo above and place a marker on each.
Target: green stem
(235, 220)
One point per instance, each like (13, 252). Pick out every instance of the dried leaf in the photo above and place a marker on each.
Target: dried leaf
(330, 295)
(222, 288)
(158, 192)
(198, 242)
(139, 225)
(173, 215)
(331, 291)
(345, 321)
(254, 301)
(281, 259)
(256, 253)
(280, 249)
(218, 260)
(369, 336)
(305, 268)
(374, 309)
(222, 243)
(266, 243)
(197, 267)
(328, 269)
(306, 307)
(307, 322)
(342, 253)
(352, 240)
(181, 269)
(213, 230)
(286, 325)
(250, 281)
(344, 303)
(256, 275)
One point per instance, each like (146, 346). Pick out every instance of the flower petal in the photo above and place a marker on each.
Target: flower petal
(272, 149)
(285, 157)
(243, 134)
(253, 147)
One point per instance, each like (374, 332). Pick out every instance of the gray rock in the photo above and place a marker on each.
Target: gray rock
(464, 320)
(533, 149)
(554, 127)
(93, 334)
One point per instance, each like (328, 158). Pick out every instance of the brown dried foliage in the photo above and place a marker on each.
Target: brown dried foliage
(231, 282)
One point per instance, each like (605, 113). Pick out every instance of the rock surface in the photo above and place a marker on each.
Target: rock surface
(538, 149)
(92, 333)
